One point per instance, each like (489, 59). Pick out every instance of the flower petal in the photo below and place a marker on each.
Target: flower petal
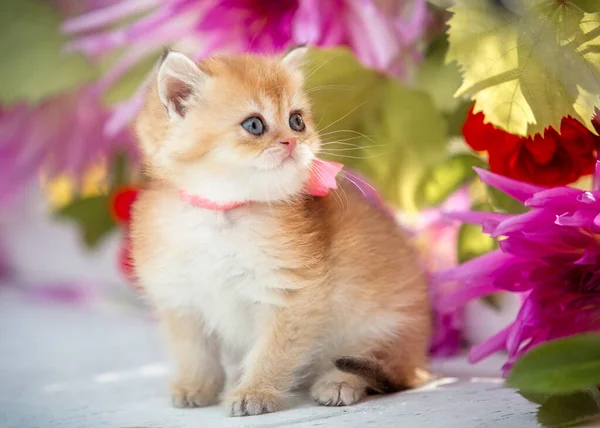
(107, 15)
(517, 189)
(479, 269)
(531, 220)
(489, 220)
(564, 198)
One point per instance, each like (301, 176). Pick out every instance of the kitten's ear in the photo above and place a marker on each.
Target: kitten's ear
(294, 58)
(178, 78)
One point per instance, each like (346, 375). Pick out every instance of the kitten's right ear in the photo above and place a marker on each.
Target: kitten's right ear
(178, 78)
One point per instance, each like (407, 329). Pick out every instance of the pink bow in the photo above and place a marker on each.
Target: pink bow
(322, 177)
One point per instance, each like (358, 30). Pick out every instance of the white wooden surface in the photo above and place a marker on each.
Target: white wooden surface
(104, 367)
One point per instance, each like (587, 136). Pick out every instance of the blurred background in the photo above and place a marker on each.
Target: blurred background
(409, 94)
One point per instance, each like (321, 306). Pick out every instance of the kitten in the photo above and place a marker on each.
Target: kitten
(264, 289)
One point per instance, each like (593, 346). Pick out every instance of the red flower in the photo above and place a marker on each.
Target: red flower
(121, 202)
(551, 160)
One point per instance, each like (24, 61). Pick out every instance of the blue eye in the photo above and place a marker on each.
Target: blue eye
(296, 122)
(254, 125)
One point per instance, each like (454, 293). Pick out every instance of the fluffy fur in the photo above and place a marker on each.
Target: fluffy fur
(287, 290)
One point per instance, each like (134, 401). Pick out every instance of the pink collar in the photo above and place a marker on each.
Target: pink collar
(322, 178)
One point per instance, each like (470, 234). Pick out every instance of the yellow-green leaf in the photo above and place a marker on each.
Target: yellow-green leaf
(438, 78)
(529, 67)
(472, 242)
(443, 179)
(33, 64)
(371, 122)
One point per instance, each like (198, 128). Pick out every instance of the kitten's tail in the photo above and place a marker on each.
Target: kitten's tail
(378, 378)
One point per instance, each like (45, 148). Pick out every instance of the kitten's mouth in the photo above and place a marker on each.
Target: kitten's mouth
(275, 160)
(287, 160)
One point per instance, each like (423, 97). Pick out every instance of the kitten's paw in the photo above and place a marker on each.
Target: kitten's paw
(194, 395)
(338, 389)
(249, 402)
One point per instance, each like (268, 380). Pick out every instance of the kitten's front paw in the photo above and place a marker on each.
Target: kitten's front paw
(249, 402)
(194, 394)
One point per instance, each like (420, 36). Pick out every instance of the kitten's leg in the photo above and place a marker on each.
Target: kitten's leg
(269, 369)
(336, 388)
(198, 373)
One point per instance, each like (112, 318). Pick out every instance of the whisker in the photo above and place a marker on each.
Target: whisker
(355, 185)
(321, 87)
(351, 147)
(342, 143)
(349, 131)
(361, 157)
(345, 116)
(346, 149)
(345, 175)
(319, 67)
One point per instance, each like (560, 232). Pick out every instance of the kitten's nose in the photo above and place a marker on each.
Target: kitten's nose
(290, 144)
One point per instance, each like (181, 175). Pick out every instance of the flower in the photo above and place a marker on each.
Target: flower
(550, 255)
(61, 135)
(552, 159)
(121, 202)
(381, 38)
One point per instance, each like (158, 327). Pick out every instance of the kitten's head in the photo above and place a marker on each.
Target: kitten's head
(229, 128)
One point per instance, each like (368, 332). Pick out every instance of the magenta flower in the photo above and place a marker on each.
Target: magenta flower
(61, 135)
(383, 34)
(550, 255)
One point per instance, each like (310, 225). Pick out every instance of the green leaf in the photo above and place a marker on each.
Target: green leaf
(589, 6)
(504, 203)
(456, 118)
(559, 367)
(438, 78)
(33, 64)
(529, 69)
(535, 397)
(568, 410)
(443, 179)
(398, 130)
(472, 242)
(92, 216)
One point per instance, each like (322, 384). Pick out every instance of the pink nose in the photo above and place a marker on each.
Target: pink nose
(290, 144)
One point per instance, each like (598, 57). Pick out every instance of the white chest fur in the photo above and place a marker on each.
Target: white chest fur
(216, 266)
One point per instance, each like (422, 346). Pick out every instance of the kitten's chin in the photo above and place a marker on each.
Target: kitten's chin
(282, 183)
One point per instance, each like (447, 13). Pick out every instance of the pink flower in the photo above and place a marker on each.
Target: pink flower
(550, 255)
(383, 34)
(60, 135)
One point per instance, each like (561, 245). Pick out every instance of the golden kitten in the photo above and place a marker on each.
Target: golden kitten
(264, 289)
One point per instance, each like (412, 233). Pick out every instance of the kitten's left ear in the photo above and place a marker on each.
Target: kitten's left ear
(294, 58)
(179, 78)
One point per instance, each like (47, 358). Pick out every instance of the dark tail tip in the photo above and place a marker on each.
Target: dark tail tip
(370, 370)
